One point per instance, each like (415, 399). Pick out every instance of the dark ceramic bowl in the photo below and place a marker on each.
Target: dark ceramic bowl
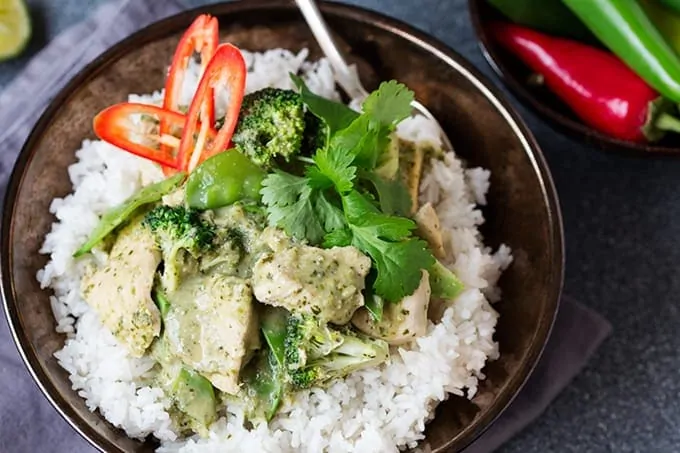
(515, 75)
(522, 211)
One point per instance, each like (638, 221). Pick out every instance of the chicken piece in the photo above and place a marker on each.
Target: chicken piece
(401, 322)
(120, 291)
(276, 239)
(429, 229)
(239, 233)
(211, 327)
(325, 283)
(411, 157)
(388, 162)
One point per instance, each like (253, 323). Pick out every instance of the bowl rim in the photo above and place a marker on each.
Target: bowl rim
(567, 125)
(170, 25)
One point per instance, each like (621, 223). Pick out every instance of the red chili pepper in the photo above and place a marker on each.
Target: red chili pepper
(226, 68)
(201, 37)
(597, 86)
(116, 126)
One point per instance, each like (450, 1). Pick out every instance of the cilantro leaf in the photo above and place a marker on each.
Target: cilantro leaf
(397, 256)
(326, 204)
(392, 193)
(400, 269)
(360, 211)
(289, 201)
(336, 165)
(386, 227)
(302, 222)
(368, 136)
(390, 103)
(366, 139)
(281, 189)
(338, 238)
(332, 216)
(398, 264)
(336, 115)
(356, 205)
(317, 179)
(298, 208)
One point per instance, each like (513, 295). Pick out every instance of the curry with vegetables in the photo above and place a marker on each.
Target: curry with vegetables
(285, 250)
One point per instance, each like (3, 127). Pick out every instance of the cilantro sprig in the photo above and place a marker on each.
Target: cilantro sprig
(299, 208)
(388, 240)
(337, 116)
(333, 203)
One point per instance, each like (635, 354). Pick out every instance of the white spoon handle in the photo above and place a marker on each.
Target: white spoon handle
(346, 78)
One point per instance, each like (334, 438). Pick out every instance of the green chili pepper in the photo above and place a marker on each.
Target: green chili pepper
(223, 180)
(666, 20)
(625, 29)
(115, 217)
(672, 4)
(548, 16)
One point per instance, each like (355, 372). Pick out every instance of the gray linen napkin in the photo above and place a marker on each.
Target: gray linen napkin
(29, 424)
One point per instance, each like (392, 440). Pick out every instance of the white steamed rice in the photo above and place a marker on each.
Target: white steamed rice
(374, 410)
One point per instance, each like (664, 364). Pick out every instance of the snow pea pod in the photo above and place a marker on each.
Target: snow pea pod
(263, 385)
(273, 325)
(549, 16)
(194, 395)
(264, 377)
(222, 180)
(115, 217)
(624, 27)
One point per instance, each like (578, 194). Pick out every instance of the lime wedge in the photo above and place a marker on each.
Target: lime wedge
(15, 28)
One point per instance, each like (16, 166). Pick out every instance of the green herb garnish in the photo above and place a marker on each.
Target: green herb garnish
(339, 200)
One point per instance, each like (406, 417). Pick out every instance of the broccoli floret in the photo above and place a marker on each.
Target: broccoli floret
(179, 231)
(226, 254)
(271, 125)
(307, 339)
(316, 354)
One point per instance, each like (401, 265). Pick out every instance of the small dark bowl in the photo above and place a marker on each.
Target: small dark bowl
(522, 211)
(515, 75)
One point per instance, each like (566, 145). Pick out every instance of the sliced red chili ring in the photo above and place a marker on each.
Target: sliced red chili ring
(115, 125)
(226, 68)
(201, 37)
